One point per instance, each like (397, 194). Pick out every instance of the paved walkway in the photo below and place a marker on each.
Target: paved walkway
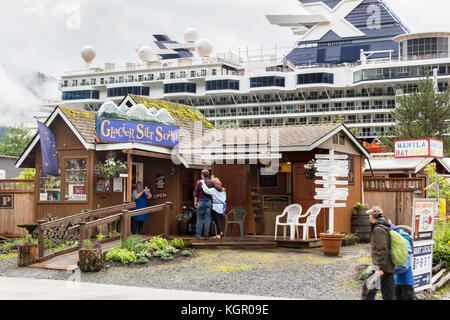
(43, 289)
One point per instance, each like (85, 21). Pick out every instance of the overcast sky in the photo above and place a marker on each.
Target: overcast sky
(46, 35)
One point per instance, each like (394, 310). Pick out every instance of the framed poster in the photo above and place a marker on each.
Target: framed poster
(424, 213)
(117, 185)
(7, 201)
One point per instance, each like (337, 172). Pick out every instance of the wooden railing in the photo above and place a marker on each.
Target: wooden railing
(76, 218)
(120, 213)
(124, 218)
(395, 184)
(16, 185)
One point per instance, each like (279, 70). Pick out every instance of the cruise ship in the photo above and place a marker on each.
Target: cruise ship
(352, 61)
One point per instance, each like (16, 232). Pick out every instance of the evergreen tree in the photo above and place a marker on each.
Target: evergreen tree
(422, 114)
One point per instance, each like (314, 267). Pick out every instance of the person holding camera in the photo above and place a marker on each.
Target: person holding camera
(140, 196)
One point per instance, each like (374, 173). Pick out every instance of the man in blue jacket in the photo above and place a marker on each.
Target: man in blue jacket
(403, 275)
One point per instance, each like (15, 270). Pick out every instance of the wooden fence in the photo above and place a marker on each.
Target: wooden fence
(119, 213)
(16, 206)
(395, 196)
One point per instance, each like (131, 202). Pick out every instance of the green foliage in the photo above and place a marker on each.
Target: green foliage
(27, 174)
(131, 243)
(186, 253)
(422, 114)
(365, 274)
(228, 125)
(170, 250)
(166, 257)
(101, 236)
(111, 168)
(177, 243)
(360, 205)
(120, 255)
(159, 253)
(157, 243)
(14, 141)
(87, 244)
(340, 119)
(441, 250)
(142, 260)
(440, 180)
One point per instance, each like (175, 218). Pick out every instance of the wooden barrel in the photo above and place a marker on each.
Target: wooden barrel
(361, 227)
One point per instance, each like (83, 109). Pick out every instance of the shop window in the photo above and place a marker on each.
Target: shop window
(268, 181)
(49, 188)
(76, 180)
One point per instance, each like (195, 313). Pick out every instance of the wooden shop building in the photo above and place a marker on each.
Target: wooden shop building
(171, 176)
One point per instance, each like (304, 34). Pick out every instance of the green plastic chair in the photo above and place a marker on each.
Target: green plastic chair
(238, 218)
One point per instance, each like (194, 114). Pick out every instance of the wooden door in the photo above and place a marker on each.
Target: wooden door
(235, 180)
(303, 194)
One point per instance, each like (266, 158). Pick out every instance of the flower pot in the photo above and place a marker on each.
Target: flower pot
(361, 226)
(90, 260)
(361, 211)
(331, 243)
(182, 227)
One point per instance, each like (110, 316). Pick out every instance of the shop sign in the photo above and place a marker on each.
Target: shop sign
(111, 130)
(422, 263)
(160, 196)
(7, 201)
(424, 212)
(419, 148)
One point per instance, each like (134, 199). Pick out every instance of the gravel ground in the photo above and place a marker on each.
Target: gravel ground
(287, 273)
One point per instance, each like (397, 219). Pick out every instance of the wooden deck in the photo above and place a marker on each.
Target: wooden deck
(248, 242)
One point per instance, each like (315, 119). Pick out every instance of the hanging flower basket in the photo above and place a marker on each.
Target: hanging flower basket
(311, 169)
(111, 168)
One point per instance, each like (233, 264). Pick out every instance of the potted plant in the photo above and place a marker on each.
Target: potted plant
(331, 243)
(360, 222)
(183, 222)
(360, 208)
(311, 169)
(28, 252)
(111, 168)
(90, 257)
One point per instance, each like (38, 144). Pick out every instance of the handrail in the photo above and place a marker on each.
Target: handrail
(87, 214)
(394, 184)
(42, 225)
(19, 185)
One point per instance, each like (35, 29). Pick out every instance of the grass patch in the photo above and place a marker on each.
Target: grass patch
(8, 256)
(364, 260)
(234, 268)
(349, 283)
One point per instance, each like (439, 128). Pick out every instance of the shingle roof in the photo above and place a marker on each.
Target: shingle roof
(83, 121)
(289, 136)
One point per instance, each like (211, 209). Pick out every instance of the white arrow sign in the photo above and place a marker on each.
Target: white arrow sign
(337, 190)
(335, 205)
(332, 197)
(332, 174)
(331, 157)
(332, 162)
(333, 169)
(327, 183)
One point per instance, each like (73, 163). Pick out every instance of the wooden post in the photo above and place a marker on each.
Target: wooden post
(130, 176)
(83, 234)
(125, 228)
(166, 219)
(40, 239)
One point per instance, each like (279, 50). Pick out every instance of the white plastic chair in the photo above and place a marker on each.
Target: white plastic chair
(293, 212)
(311, 219)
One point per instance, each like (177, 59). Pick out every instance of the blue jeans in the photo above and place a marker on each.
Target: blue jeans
(203, 213)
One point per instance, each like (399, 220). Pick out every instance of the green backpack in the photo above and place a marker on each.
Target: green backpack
(399, 248)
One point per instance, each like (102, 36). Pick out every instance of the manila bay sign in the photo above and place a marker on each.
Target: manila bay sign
(136, 124)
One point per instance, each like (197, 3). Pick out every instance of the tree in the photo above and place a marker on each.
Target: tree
(14, 141)
(422, 114)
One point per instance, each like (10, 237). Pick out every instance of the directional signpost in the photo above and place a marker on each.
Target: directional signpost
(329, 167)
